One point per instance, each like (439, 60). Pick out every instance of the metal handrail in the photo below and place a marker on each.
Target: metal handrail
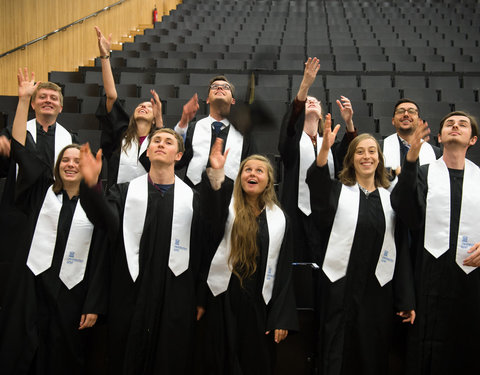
(46, 36)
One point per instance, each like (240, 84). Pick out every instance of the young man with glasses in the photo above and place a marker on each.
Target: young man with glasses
(200, 137)
(406, 117)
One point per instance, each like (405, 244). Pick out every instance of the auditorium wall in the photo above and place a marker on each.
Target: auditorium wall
(24, 20)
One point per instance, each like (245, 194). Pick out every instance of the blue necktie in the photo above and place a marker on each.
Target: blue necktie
(217, 125)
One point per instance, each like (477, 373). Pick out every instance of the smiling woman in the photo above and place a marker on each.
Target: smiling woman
(366, 267)
(58, 284)
(250, 304)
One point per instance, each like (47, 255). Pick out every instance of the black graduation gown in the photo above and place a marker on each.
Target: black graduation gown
(237, 320)
(248, 148)
(11, 218)
(356, 313)
(114, 124)
(40, 318)
(289, 148)
(445, 337)
(151, 320)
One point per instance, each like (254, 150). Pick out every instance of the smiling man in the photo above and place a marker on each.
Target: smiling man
(154, 227)
(200, 137)
(406, 117)
(45, 139)
(441, 202)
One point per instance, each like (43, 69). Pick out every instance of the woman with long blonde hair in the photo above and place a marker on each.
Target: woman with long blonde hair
(367, 274)
(251, 304)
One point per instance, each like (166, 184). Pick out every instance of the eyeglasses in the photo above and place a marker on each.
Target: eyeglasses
(401, 111)
(223, 86)
(312, 100)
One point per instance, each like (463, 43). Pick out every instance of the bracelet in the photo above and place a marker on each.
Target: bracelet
(105, 57)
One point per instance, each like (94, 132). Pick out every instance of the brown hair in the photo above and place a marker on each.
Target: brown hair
(243, 255)
(405, 100)
(178, 137)
(58, 183)
(473, 122)
(131, 132)
(49, 86)
(348, 177)
(222, 78)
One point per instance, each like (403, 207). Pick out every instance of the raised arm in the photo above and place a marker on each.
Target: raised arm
(189, 110)
(312, 66)
(26, 88)
(104, 45)
(346, 111)
(157, 109)
(420, 135)
(90, 166)
(329, 136)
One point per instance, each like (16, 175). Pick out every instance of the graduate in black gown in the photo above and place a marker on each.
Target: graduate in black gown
(367, 275)
(251, 305)
(200, 136)
(301, 131)
(45, 137)
(59, 282)
(153, 221)
(441, 200)
(123, 136)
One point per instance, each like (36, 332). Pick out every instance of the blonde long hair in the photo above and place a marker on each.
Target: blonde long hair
(244, 247)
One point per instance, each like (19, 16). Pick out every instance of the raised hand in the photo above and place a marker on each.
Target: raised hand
(104, 44)
(189, 111)
(26, 86)
(217, 157)
(420, 135)
(90, 167)
(346, 110)
(157, 109)
(329, 136)
(312, 66)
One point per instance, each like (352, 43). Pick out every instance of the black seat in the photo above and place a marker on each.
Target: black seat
(454, 95)
(441, 82)
(63, 77)
(135, 77)
(77, 121)
(373, 94)
(81, 89)
(421, 94)
(163, 91)
(332, 81)
(401, 81)
(170, 78)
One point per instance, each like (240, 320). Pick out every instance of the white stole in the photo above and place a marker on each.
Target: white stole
(134, 220)
(220, 269)
(202, 137)
(307, 157)
(62, 136)
(44, 239)
(343, 232)
(391, 152)
(130, 167)
(437, 216)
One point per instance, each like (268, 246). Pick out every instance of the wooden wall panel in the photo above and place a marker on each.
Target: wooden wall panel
(24, 20)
